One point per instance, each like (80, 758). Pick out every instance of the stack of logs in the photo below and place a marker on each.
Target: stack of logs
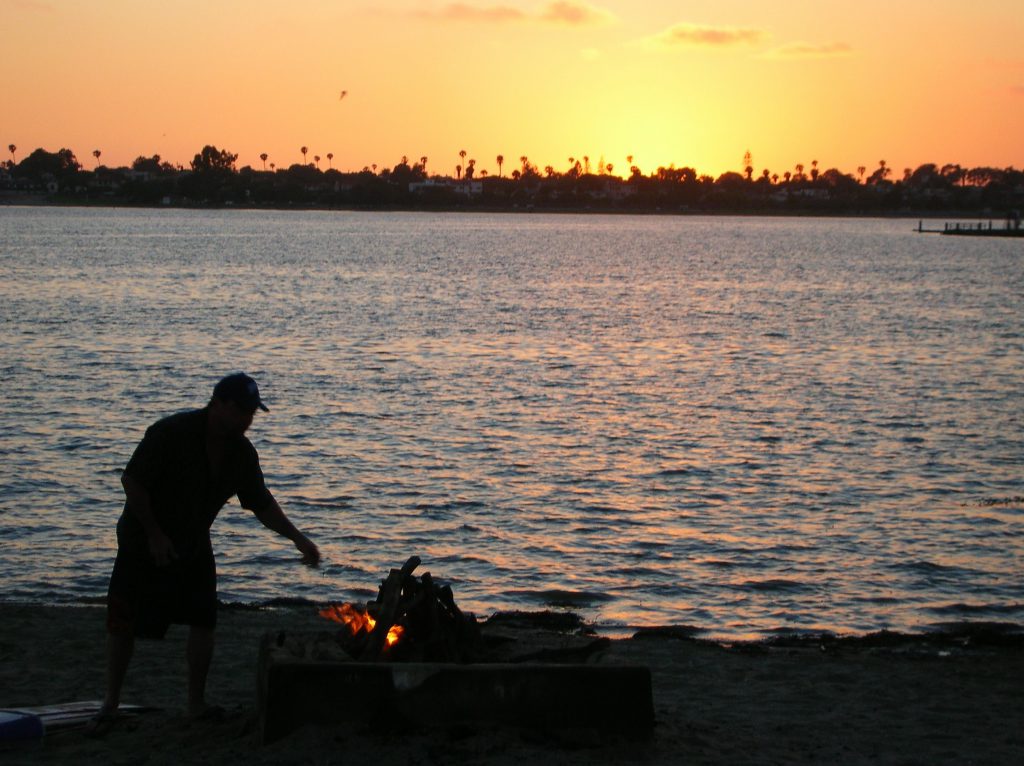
(432, 627)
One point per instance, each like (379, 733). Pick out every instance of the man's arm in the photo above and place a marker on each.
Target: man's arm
(160, 546)
(273, 518)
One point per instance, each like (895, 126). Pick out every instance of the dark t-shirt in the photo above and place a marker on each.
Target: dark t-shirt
(171, 464)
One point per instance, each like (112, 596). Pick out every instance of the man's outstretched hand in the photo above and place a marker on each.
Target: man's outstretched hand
(310, 553)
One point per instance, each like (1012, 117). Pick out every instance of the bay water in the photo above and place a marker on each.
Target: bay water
(747, 425)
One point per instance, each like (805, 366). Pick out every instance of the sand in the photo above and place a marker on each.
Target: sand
(890, 701)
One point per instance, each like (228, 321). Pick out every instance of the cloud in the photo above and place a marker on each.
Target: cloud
(697, 35)
(810, 51)
(570, 12)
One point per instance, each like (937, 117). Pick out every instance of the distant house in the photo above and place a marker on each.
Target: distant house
(613, 189)
(106, 179)
(470, 188)
(808, 193)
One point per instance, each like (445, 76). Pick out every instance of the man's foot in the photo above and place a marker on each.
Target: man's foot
(102, 723)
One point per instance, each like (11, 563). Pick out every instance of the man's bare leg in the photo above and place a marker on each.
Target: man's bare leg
(199, 653)
(120, 647)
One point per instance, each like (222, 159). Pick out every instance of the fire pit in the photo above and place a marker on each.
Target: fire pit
(413, 658)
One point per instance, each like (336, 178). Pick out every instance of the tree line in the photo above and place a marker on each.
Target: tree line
(213, 178)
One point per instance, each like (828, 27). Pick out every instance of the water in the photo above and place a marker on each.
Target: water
(747, 425)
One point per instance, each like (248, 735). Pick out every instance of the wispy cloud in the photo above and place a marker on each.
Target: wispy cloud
(810, 51)
(700, 36)
(569, 12)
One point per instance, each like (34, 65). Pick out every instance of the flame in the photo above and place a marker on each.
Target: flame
(357, 620)
(394, 634)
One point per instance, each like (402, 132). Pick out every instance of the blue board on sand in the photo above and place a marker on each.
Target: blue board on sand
(33, 722)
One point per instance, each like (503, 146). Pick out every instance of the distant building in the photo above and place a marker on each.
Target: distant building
(470, 188)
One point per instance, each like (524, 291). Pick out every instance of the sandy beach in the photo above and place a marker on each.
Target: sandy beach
(891, 701)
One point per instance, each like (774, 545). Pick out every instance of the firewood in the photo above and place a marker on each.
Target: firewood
(389, 599)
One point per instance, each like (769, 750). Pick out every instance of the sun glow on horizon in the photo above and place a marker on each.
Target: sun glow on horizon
(848, 84)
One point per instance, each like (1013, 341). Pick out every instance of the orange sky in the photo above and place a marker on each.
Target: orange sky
(845, 82)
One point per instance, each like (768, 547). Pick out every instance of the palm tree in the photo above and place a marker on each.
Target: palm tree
(423, 164)
(501, 160)
(272, 167)
(96, 153)
(304, 149)
(799, 172)
(586, 164)
(462, 155)
(458, 172)
(12, 149)
(330, 160)
(861, 170)
(526, 165)
(264, 158)
(316, 159)
(814, 170)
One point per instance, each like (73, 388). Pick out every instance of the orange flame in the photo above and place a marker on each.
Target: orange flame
(357, 620)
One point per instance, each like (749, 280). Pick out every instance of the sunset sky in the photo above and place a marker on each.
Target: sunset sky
(844, 82)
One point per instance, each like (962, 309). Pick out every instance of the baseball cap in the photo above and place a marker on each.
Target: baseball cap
(240, 389)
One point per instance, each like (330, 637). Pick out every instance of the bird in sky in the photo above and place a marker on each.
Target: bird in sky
(343, 94)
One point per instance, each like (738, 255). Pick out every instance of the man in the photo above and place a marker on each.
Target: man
(181, 474)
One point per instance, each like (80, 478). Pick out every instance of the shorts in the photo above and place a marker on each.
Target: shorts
(145, 599)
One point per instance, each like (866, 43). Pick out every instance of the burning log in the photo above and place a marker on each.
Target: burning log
(412, 620)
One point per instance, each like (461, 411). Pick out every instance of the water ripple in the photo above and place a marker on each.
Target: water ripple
(749, 424)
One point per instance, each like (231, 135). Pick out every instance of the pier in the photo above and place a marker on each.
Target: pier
(1011, 228)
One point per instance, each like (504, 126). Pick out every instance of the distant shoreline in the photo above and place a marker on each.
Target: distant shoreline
(930, 215)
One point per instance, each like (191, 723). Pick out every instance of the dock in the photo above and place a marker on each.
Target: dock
(1011, 228)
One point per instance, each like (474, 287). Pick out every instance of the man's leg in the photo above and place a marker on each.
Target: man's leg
(120, 646)
(199, 653)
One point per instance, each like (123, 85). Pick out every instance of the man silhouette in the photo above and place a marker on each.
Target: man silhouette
(179, 477)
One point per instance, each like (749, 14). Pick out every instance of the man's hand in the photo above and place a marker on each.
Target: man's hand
(161, 548)
(310, 553)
